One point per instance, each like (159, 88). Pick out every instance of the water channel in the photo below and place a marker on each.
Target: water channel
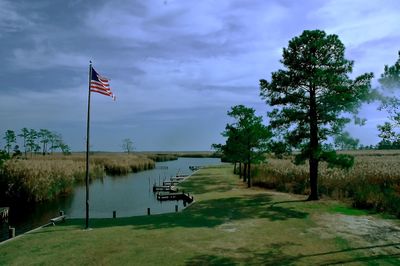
(128, 195)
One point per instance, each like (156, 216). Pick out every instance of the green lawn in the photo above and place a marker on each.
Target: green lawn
(228, 224)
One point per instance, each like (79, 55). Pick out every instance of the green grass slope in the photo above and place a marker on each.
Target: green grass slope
(228, 224)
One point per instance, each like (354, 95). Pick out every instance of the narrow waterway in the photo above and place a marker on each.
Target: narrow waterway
(128, 195)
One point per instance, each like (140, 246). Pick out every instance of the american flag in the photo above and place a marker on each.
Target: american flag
(100, 84)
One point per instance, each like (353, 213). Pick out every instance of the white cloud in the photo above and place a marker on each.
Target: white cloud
(357, 22)
(11, 20)
(41, 57)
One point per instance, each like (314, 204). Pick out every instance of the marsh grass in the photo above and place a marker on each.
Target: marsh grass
(373, 183)
(38, 180)
(162, 157)
(42, 178)
(123, 164)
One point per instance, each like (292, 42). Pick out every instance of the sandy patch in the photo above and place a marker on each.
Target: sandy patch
(382, 236)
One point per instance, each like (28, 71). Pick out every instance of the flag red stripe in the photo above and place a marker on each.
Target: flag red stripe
(100, 83)
(102, 92)
(100, 87)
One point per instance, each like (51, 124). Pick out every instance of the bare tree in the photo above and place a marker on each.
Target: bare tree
(127, 145)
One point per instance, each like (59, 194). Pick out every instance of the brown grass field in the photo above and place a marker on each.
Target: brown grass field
(372, 183)
(40, 178)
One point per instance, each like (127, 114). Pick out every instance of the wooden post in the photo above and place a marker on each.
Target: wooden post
(11, 232)
(114, 214)
(176, 208)
(148, 211)
(62, 214)
(184, 203)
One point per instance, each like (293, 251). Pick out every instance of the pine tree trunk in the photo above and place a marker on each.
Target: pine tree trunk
(313, 161)
(25, 147)
(240, 170)
(245, 172)
(234, 168)
(313, 179)
(249, 181)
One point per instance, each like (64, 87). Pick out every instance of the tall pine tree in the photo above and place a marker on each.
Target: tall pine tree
(311, 95)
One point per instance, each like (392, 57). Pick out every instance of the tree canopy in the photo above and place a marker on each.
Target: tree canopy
(390, 78)
(389, 131)
(311, 95)
(127, 145)
(31, 138)
(247, 138)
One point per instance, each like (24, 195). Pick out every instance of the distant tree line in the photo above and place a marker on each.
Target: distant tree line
(42, 141)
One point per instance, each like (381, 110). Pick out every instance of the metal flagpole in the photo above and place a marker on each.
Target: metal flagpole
(87, 150)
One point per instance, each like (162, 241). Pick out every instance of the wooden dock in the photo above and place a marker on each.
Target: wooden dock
(168, 191)
(181, 176)
(177, 178)
(170, 183)
(164, 188)
(175, 196)
(4, 213)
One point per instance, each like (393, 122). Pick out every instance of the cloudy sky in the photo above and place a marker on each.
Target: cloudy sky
(176, 66)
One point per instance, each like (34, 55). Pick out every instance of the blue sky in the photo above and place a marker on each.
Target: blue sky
(176, 66)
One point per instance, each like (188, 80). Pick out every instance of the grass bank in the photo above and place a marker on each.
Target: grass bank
(227, 225)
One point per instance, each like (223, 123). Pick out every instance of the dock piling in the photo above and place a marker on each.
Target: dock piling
(148, 211)
(176, 208)
(114, 214)
(11, 232)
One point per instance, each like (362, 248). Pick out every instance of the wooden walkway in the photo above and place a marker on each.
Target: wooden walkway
(164, 188)
(178, 178)
(175, 196)
(170, 183)
(184, 176)
(168, 191)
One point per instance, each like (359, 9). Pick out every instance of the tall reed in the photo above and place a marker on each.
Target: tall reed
(373, 182)
(45, 177)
